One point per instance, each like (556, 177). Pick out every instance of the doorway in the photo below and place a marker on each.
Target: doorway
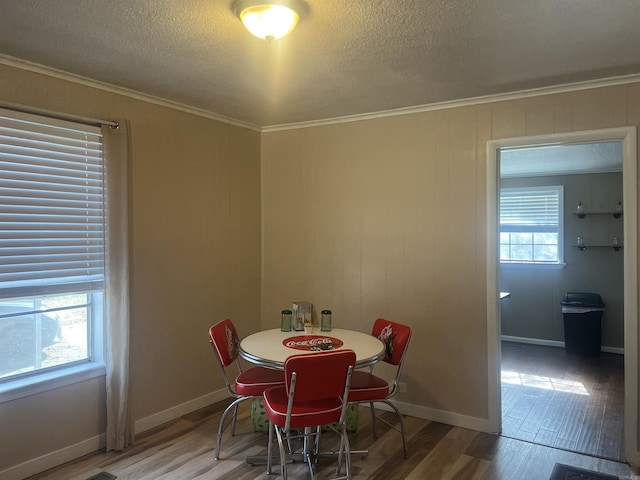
(628, 139)
(572, 402)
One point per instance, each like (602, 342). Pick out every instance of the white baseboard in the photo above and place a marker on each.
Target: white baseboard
(533, 341)
(554, 343)
(66, 454)
(53, 459)
(441, 416)
(172, 413)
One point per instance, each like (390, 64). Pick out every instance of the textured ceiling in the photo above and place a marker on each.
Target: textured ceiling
(347, 57)
(571, 159)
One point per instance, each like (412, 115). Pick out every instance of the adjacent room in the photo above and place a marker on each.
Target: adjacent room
(562, 345)
(183, 170)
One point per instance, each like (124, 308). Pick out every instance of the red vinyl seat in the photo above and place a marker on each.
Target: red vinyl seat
(315, 394)
(369, 388)
(248, 384)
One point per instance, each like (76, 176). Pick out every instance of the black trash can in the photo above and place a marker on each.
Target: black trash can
(582, 314)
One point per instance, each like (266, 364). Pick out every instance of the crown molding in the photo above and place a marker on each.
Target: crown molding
(534, 92)
(89, 82)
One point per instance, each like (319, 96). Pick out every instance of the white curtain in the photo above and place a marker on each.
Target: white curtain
(120, 429)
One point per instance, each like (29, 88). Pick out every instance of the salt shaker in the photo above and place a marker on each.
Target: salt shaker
(285, 321)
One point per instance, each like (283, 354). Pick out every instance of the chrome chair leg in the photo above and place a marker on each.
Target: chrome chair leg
(340, 449)
(309, 458)
(347, 450)
(344, 446)
(233, 420)
(400, 417)
(221, 428)
(283, 462)
(270, 448)
(404, 441)
(373, 419)
(316, 450)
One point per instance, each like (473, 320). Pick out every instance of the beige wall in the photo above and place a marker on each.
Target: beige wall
(387, 218)
(195, 190)
(358, 219)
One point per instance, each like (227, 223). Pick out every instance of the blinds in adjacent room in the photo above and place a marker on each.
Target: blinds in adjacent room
(529, 210)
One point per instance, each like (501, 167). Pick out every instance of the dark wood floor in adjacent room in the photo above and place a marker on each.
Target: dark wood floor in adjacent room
(564, 401)
(183, 450)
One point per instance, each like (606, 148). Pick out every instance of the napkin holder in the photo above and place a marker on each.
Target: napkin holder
(301, 314)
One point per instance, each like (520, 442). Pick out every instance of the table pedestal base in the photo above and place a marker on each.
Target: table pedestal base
(299, 457)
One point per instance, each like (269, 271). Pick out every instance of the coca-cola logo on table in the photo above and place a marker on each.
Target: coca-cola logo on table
(312, 342)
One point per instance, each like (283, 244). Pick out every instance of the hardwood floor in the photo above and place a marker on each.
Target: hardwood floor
(564, 401)
(183, 450)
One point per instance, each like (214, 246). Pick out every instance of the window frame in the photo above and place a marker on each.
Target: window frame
(93, 366)
(559, 189)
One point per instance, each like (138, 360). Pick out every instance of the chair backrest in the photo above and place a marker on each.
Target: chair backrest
(395, 337)
(224, 340)
(319, 376)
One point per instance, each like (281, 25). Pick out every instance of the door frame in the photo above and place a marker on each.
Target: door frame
(630, 219)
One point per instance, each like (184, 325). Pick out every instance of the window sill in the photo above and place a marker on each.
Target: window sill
(35, 384)
(534, 266)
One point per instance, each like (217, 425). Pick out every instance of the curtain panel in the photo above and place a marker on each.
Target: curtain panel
(120, 430)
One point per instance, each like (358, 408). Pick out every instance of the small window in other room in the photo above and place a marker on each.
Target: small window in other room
(51, 246)
(531, 225)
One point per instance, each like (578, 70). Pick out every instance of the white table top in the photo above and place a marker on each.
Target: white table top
(266, 348)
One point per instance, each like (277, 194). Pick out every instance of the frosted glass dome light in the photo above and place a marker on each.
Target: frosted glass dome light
(268, 19)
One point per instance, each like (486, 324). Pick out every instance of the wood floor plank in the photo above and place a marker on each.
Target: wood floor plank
(441, 459)
(483, 446)
(508, 456)
(523, 405)
(589, 438)
(559, 404)
(467, 468)
(531, 425)
(574, 419)
(385, 452)
(545, 437)
(419, 445)
(611, 441)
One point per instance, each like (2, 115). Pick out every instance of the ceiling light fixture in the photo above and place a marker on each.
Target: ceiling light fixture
(269, 19)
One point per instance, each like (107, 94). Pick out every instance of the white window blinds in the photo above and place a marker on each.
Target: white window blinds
(51, 206)
(530, 209)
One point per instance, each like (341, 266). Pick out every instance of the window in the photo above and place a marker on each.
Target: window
(531, 225)
(51, 245)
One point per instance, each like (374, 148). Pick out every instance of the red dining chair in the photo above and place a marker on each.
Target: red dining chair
(248, 384)
(369, 388)
(315, 394)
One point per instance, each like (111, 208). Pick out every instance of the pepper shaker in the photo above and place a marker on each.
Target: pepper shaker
(325, 322)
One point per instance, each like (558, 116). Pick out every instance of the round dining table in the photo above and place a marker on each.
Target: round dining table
(271, 348)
